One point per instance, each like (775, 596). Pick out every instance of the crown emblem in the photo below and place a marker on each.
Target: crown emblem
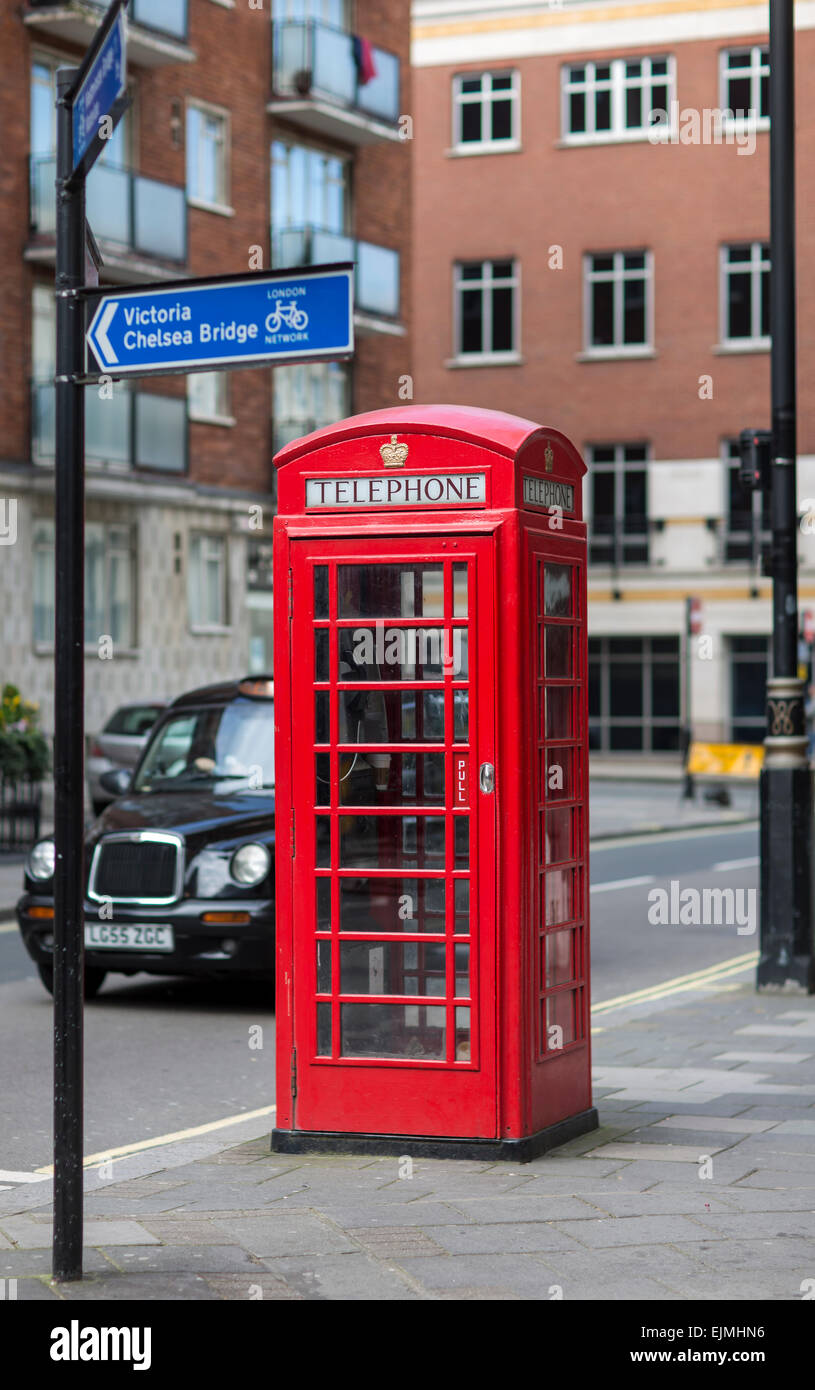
(393, 454)
(549, 458)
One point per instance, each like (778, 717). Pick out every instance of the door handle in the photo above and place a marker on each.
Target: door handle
(486, 777)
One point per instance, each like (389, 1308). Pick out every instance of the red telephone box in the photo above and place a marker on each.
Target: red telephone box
(432, 787)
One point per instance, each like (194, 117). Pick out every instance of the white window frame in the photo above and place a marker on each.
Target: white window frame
(290, 218)
(220, 113)
(618, 274)
(618, 467)
(209, 539)
(208, 398)
(44, 544)
(487, 281)
(758, 68)
(617, 85)
(485, 99)
(295, 390)
(756, 341)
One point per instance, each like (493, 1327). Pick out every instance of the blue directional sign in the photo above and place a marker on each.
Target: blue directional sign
(102, 90)
(200, 325)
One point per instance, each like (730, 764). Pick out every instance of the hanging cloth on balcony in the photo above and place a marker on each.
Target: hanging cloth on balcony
(364, 59)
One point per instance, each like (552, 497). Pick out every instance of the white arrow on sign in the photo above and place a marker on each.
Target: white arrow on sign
(101, 333)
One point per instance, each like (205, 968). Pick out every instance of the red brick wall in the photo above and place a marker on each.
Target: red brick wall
(681, 202)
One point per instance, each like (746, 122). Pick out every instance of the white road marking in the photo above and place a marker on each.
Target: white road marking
(7, 927)
(622, 883)
(661, 836)
(7, 1175)
(725, 865)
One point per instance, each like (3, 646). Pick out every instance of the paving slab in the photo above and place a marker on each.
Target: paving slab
(353, 1278)
(31, 1235)
(172, 1259)
(288, 1233)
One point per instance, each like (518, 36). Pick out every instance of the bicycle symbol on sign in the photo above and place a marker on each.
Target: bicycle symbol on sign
(286, 313)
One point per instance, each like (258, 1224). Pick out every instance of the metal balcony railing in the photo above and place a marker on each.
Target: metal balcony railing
(143, 216)
(165, 16)
(134, 429)
(317, 60)
(376, 277)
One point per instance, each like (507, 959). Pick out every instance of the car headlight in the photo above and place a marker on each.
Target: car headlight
(40, 862)
(250, 864)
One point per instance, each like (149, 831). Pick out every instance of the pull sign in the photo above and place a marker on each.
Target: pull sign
(486, 777)
(461, 794)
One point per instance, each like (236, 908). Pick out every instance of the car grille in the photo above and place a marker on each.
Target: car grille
(137, 868)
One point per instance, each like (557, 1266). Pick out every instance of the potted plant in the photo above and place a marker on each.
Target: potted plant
(24, 761)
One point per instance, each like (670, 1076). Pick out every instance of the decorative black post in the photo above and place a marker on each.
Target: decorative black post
(786, 948)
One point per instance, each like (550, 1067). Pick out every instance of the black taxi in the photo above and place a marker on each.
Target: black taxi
(179, 869)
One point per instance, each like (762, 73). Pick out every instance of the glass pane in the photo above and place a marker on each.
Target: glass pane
(323, 845)
(558, 835)
(322, 779)
(559, 782)
(324, 904)
(396, 841)
(560, 1019)
(393, 1030)
(602, 315)
(459, 591)
(390, 591)
(392, 779)
(321, 716)
(462, 842)
(470, 120)
(321, 591)
(558, 652)
(462, 972)
(324, 1030)
(401, 653)
(393, 967)
(463, 1047)
(381, 716)
(392, 904)
(321, 637)
(502, 120)
(557, 591)
(503, 333)
(323, 967)
(462, 908)
(558, 958)
(560, 703)
(625, 682)
(461, 716)
(558, 896)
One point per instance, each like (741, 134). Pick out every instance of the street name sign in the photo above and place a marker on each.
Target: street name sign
(102, 91)
(243, 320)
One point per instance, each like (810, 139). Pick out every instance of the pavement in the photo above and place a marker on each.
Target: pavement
(699, 1184)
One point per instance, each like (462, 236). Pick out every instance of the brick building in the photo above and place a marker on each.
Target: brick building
(591, 249)
(259, 135)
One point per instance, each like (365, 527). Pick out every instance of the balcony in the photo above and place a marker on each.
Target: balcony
(140, 224)
(156, 29)
(135, 429)
(376, 272)
(315, 84)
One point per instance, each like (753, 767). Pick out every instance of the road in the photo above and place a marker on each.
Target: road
(165, 1056)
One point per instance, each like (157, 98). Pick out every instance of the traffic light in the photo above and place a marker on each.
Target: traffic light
(754, 454)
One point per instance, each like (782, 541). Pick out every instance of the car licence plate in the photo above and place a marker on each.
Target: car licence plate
(129, 936)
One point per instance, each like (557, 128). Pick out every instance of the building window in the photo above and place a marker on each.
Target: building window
(310, 205)
(208, 396)
(745, 83)
(207, 581)
(486, 109)
(486, 309)
(260, 606)
(333, 12)
(616, 99)
(207, 156)
(749, 670)
(618, 479)
(308, 395)
(747, 523)
(634, 694)
(746, 294)
(618, 300)
(110, 585)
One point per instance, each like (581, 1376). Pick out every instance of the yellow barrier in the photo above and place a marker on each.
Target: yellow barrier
(725, 759)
